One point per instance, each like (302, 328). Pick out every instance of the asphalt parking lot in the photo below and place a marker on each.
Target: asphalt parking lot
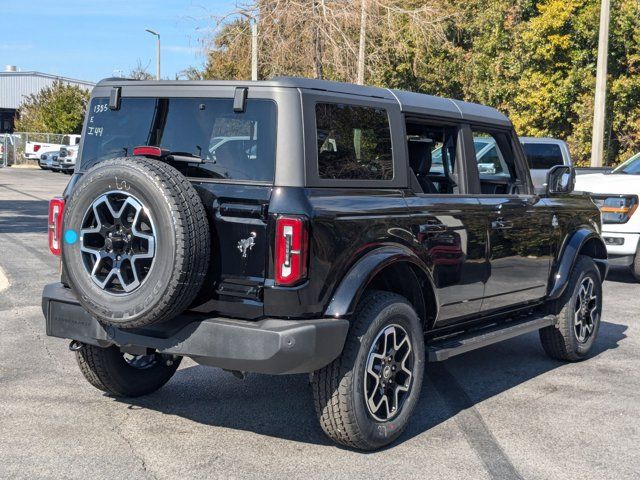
(506, 411)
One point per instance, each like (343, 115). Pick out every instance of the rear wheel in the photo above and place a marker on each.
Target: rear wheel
(122, 374)
(578, 311)
(364, 399)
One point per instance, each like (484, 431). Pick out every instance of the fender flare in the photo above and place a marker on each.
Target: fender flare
(569, 252)
(353, 285)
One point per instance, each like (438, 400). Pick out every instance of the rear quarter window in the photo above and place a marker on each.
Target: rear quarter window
(543, 155)
(353, 142)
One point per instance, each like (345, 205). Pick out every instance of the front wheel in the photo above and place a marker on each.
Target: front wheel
(578, 311)
(122, 374)
(364, 399)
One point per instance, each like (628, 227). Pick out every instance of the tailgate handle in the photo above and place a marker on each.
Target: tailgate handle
(243, 210)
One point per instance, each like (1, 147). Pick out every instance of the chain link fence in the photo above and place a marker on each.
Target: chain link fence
(7, 150)
(21, 148)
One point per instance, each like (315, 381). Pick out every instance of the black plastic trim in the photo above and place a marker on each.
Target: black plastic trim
(447, 348)
(272, 346)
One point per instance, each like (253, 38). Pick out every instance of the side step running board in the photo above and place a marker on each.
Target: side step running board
(440, 350)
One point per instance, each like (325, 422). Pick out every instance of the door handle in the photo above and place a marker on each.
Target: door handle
(501, 224)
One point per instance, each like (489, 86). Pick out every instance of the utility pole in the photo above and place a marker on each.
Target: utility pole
(599, 105)
(253, 22)
(317, 42)
(363, 42)
(254, 49)
(153, 32)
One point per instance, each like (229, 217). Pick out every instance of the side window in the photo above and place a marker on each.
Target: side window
(543, 155)
(488, 156)
(432, 156)
(496, 162)
(354, 142)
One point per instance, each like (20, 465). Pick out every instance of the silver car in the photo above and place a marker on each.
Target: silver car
(543, 154)
(47, 158)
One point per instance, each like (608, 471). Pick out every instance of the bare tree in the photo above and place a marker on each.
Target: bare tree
(335, 39)
(140, 72)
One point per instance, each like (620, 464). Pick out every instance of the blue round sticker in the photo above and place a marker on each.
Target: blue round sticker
(71, 237)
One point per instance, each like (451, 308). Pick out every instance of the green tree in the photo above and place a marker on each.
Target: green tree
(59, 108)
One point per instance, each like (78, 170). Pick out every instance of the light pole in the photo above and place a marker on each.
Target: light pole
(153, 32)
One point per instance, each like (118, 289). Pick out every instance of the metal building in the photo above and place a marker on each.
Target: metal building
(15, 86)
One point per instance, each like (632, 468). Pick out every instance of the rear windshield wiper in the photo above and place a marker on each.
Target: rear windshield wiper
(183, 157)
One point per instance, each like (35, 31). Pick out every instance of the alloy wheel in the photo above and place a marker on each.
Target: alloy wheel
(585, 314)
(389, 372)
(118, 242)
(141, 362)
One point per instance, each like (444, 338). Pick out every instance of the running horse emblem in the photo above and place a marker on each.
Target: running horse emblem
(246, 244)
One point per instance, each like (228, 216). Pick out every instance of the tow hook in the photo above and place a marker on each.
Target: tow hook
(75, 345)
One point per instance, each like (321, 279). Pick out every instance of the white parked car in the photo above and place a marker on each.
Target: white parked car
(617, 193)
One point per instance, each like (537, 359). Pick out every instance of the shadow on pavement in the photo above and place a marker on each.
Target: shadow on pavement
(23, 216)
(282, 406)
(621, 275)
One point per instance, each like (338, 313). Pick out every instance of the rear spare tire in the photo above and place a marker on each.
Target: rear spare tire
(135, 242)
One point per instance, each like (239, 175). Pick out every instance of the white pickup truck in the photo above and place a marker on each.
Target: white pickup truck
(616, 193)
(33, 149)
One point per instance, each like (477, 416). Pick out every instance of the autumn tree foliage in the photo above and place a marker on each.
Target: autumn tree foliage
(533, 59)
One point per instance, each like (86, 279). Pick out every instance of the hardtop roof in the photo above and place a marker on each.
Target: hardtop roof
(409, 102)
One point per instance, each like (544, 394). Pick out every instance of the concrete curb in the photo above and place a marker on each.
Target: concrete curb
(4, 281)
(26, 165)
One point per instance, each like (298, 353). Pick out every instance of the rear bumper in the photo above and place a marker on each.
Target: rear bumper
(273, 346)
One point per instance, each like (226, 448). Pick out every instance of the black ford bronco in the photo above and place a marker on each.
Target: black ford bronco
(305, 226)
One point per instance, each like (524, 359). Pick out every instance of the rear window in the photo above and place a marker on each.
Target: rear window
(231, 145)
(543, 155)
(354, 142)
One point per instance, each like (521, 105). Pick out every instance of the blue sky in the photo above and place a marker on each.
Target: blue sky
(94, 39)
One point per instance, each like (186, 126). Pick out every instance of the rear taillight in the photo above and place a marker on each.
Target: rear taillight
(36, 148)
(292, 245)
(147, 151)
(56, 210)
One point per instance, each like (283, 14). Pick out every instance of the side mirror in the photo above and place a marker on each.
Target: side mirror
(561, 179)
